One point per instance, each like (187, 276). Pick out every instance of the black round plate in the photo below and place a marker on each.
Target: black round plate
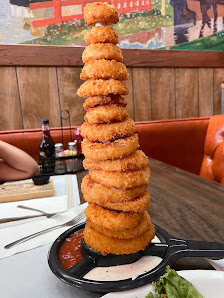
(74, 275)
(169, 249)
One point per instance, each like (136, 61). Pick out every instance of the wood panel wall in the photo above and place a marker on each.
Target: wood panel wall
(28, 94)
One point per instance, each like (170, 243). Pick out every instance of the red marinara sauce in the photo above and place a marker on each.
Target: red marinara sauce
(70, 251)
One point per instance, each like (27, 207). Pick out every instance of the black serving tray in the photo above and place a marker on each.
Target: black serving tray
(170, 249)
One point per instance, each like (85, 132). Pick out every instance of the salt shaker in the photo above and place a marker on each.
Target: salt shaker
(72, 148)
(60, 166)
(71, 165)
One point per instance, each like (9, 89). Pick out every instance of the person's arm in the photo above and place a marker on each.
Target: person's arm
(15, 164)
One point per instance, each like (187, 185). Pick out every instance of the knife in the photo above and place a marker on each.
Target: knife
(4, 220)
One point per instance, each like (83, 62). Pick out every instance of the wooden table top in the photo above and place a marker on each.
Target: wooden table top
(185, 205)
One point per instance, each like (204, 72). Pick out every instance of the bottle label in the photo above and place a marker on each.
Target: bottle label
(42, 154)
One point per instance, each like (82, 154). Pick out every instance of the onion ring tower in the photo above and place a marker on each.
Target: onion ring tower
(116, 186)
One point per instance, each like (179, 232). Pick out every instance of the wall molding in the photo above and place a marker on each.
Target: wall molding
(31, 55)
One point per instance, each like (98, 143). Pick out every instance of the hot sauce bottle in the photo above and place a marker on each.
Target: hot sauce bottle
(78, 139)
(46, 148)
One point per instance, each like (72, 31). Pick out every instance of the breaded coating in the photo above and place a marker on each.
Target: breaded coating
(116, 185)
(99, 193)
(95, 101)
(110, 150)
(98, 51)
(108, 132)
(102, 87)
(106, 114)
(99, 12)
(141, 228)
(101, 34)
(112, 219)
(133, 162)
(137, 205)
(104, 69)
(128, 179)
(106, 244)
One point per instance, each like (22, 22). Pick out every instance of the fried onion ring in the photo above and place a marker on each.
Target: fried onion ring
(142, 227)
(108, 132)
(104, 69)
(110, 150)
(105, 244)
(106, 114)
(96, 101)
(101, 34)
(112, 219)
(97, 51)
(133, 162)
(102, 87)
(137, 205)
(121, 179)
(95, 192)
(100, 13)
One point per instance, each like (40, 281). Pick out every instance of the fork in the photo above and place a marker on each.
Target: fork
(48, 215)
(72, 222)
(41, 213)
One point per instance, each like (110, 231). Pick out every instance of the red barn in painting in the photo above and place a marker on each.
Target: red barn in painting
(55, 11)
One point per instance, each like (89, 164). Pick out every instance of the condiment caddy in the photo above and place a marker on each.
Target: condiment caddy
(54, 159)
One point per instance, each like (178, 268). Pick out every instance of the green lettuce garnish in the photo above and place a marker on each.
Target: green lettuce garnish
(171, 285)
(150, 295)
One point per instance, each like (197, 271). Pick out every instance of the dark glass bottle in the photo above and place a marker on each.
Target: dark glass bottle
(78, 138)
(46, 148)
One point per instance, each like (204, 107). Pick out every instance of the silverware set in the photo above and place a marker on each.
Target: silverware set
(48, 215)
(74, 221)
(42, 213)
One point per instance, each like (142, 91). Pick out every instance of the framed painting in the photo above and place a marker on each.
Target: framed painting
(159, 25)
(144, 24)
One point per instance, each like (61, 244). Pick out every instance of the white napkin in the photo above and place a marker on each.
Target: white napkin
(66, 196)
(10, 234)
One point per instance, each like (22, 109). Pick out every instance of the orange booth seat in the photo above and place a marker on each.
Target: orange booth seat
(29, 139)
(179, 142)
(213, 162)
